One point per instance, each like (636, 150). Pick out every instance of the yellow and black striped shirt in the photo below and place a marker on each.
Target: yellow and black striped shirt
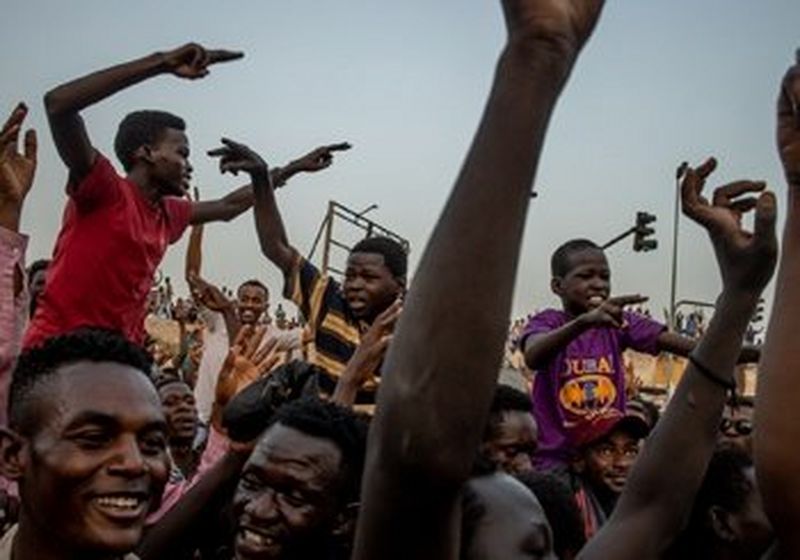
(335, 332)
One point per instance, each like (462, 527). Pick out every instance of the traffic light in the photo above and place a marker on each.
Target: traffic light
(643, 231)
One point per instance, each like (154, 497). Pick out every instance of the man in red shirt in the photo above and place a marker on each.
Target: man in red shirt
(116, 229)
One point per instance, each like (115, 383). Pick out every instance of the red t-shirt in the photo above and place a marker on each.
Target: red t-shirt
(112, 240)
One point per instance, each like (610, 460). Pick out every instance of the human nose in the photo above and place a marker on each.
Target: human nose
(264, 506)
(128, 459)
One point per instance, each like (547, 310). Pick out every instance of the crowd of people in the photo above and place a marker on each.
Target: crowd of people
(140, 424)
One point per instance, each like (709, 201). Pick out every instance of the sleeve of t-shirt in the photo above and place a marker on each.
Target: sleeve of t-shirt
(306, 287)
(543, 322)
(641, 333)
(179, 211)
(100, 187)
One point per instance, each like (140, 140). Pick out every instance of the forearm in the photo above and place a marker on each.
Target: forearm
(688, 429)
(540, 347)
(675, 343)
(74, 96)
(777, 414)
(10, 216)
(493, 187)
(269, 226)
(194, 254)
(176, 533)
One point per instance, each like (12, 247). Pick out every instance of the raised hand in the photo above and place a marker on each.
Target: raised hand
(609, 312)
(788, 133)
(16, 169)
(208, 294)
(235, 157)
(746, 259)
(564, 24)
(319, 158)
(192, 60)
(247, 361)
(368, 356)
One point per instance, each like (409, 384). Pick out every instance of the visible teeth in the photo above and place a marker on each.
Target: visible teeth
(256, 539)
(119, 502)
(596, 299)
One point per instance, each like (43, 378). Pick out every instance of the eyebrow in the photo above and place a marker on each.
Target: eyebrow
(109, 421)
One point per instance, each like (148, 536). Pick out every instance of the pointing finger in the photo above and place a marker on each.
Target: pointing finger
(221, 55)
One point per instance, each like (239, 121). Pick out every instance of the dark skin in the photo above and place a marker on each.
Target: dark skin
(17, 170)
(180, 411)
(653, 506)
(365, 361)
(369, 285)
(424, 435)
(91, 464)
(289, 496)
(160, 169)
(777, 416)
(585, 295)
(513, 443)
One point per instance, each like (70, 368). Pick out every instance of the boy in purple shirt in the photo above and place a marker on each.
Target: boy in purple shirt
(577, 352)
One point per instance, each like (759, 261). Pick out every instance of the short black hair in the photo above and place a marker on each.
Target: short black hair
(36, 267)
(38, 365)
(561, 510)
(342, 426)
(560, 261)
(142, 128)
(255, 283)
(394, 254)
(725, 485)
(506, 399)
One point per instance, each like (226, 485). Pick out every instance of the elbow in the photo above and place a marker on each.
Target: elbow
(54, 103)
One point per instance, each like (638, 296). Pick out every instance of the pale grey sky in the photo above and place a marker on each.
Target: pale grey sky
(405, 82)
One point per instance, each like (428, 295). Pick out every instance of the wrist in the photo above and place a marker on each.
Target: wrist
(544, 57)
(10, 217)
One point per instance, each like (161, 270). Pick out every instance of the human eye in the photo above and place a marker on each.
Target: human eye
(154, 443)
(92, 438)
(250, 481)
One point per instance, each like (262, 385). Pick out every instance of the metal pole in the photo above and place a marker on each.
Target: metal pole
(674, 282)
(327, 246)
(619, 238)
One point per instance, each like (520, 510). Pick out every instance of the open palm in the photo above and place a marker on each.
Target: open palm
(16, 169)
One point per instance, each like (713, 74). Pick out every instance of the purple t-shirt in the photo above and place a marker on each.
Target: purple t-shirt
(583, 385)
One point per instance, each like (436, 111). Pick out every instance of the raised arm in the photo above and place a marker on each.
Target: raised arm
(656, 501)
(242, 199)
(441, 369)
(235, 157)
(65, 102)
(777, 426)
(16, 178)
(541, 346)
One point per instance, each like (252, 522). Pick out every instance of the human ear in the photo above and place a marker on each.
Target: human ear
(557, 285)
(12, 449)
(720, 520)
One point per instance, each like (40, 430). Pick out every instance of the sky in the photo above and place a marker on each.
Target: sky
(405, 83)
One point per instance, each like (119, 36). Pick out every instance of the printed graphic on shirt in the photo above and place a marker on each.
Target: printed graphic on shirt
(591, 391)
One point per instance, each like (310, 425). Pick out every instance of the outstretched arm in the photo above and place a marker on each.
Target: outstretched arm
(65, 102)
(656, 501)
(540, 347)
(436, 390)
(242, 199)
(777, 426)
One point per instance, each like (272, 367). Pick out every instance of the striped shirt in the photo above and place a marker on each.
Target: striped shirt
(335, 332)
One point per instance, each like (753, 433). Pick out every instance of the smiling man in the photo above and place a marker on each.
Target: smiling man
(87, 445)
(298, 492)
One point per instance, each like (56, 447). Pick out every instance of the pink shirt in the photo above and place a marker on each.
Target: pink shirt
(13, 309)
